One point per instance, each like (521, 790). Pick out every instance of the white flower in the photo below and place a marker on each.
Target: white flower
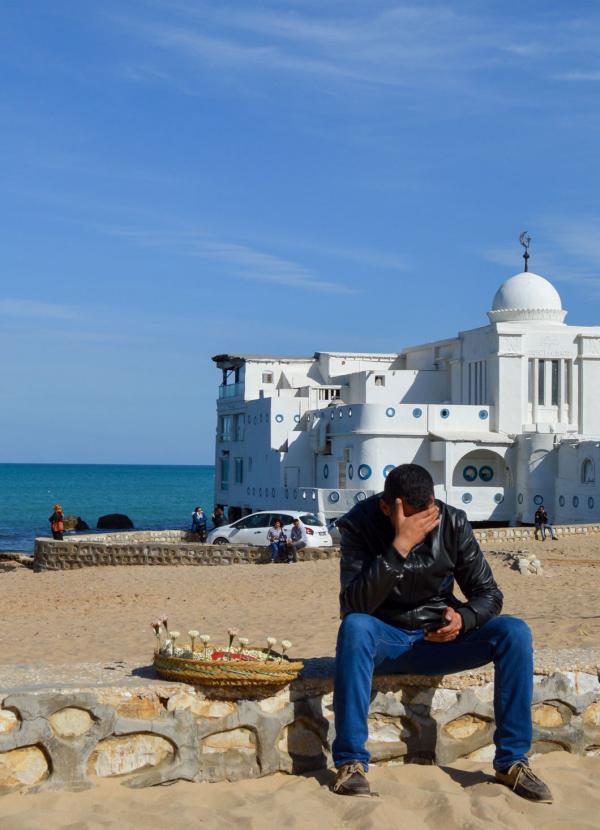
(205, 638)
(285, 644)
(174, 634)
(193, 634)
(271, 641)
(232, 632)
(243, 641)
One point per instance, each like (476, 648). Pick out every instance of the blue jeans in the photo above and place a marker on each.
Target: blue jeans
(365, 642)
(276, 549)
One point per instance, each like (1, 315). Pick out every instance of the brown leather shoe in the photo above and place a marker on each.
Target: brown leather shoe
(351, 779)
(523, 782)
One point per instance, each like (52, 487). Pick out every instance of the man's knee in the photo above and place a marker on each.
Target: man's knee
(516, 630)
(357, 627)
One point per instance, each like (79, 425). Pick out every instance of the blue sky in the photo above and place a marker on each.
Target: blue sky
(185, 178)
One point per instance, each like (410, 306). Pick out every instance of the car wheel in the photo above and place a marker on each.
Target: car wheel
(220, 540)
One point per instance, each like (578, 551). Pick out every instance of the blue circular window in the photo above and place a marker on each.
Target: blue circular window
(350, 471)
(467, 498)
(295, 494)
(364, 472)
(361, 495)
(470, 473)
(332, 414)
(486, 473)
(334, 497)
(326, 471)
(297, 419)
(499, 498)
(575, 501)
(520, 498)
(313, 495)
(538, 499)
(417, 412)
(591, 502)
(561, 501)
(350, 412)
(483, 414)
(390, 411)
(387, 470)
(279, 418)
(304, 494)
(445, 413)
(341, 413)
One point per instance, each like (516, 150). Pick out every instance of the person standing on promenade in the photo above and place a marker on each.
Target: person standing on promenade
(57, 522)
(199, 523)
(277, 540)
(400, 554)
(218, 516)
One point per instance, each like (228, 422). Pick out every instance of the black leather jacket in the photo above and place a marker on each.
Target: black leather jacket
(414, 592)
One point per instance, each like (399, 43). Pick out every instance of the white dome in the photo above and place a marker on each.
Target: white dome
(527, 296)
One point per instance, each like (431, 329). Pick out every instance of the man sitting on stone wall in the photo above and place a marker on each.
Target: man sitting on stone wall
(401, 552)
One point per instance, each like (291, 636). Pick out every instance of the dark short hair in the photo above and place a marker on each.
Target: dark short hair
(411, 483)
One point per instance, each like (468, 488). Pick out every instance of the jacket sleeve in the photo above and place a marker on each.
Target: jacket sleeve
(365, 581)
(475, 579)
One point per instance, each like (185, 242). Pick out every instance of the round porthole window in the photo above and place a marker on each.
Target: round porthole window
(445, 413)
(390, 411)
(313, 495)
(295, 494)
(341, 413)
(350, 471)
(334, 497)
(417, 412)
(297, 419)
(361, 495)
(538, 499)
(470, 473)
(350, 412)
(499, 498)
(561, 501)
(575, 501)
(304, 494)
(332, 415)
(591, 502)
(467, 498)
(483, 414)
(326, 471)
(364, 472)
(279, 418)
(520, 498)
(387, 470)
(486, 473)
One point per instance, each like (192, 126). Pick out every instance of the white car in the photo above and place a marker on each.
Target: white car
(253, 529)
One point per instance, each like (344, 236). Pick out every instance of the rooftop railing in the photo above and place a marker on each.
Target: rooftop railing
(231, 390)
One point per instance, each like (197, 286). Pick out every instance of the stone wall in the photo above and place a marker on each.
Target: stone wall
(63, 735)
(493, 533)
(84, 551)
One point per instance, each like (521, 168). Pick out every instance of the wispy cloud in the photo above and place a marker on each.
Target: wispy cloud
(237, 259)
(578, 75)
(12, 307)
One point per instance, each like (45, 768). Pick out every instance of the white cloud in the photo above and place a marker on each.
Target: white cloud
(11, 307)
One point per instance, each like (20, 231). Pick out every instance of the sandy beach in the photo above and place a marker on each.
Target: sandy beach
(104, 614)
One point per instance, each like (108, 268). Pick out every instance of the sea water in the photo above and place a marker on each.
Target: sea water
(154, 497)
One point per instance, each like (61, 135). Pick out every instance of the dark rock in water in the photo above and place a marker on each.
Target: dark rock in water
(75, 523)
(115, 521)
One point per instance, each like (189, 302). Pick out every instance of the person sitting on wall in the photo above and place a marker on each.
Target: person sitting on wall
(199, 523)
(57, 522)
(277, 540)
(542, 524)
(401, 551)
(297, 540)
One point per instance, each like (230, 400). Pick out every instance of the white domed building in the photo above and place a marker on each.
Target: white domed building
(505, 417)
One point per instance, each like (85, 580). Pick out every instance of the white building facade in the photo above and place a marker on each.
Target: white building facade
(504, 417)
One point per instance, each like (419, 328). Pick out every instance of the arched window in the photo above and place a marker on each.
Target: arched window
(588, 472)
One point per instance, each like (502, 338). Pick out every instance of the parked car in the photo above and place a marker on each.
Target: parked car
(253, 529)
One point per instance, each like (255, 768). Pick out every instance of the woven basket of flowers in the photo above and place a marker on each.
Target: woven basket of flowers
(229, 672)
